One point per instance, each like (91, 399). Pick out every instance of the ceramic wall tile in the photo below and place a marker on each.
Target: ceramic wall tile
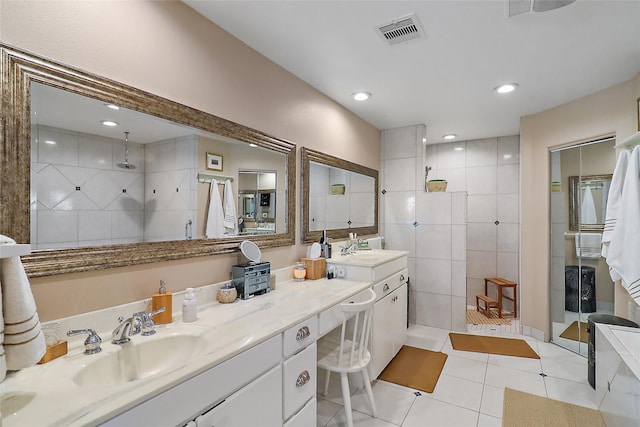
(482, 152)
(356, 212)
(507, 266)
(481, 237)
(458, 314)
(451, 155)
(508, 237)
(459, 208)
(433, 310)
(433, 208)
(509, 150)
(456, 178)
(482, 180)
(434, 275)
(475, 286)
(433, 241)
(400, 142)
(508, 208)
(559, 241)
(482, 208)
(459, 242)
(95, 152)
(127, 224)
(508, 179)
(57, 226)
(94, 225)
(459, 278)
(481, 264)
(400, 237)
(56, 146)
(399, 206)
(400, 174)
(51, 187)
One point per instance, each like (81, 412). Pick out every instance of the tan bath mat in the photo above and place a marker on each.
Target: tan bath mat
(415, 368)
(492, 345)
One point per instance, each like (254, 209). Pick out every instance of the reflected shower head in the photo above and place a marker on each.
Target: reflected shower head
(126, 164)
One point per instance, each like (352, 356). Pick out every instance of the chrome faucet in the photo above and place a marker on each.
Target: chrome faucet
(148, 326)
(126, 328)
(93, 341)
(349, 249)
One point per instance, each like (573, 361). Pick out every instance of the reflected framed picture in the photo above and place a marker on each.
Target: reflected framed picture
(214, 162)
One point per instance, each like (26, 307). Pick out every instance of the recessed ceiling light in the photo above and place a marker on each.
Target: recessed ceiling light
(458, 149)
(506, 88)
(450, 136)
(109, 123)
(361, 96)
(112, 106)
(50, 142)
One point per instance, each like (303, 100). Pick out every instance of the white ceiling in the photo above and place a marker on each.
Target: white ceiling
(446, 80)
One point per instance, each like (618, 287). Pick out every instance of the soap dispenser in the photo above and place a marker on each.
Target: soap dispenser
(189, 307)
(162, 299)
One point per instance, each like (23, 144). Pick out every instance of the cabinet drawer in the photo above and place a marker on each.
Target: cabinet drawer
(300, 336)
(390, 284)
(299, 379)
(305, 417)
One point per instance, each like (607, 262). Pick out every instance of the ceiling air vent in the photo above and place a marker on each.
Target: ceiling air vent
(402, 30)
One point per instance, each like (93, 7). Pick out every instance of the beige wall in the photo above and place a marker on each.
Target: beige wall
(166, 48)
(610, 111)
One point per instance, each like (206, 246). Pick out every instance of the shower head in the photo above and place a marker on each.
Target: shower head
(126, 164)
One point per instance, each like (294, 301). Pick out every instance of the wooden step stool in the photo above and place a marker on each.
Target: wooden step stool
(488, 305)
(501, 284)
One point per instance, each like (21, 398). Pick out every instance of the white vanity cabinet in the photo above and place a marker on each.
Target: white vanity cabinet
(389, 328)
(187, 401)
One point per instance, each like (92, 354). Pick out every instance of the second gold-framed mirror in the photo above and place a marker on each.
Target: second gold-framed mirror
(338, 196)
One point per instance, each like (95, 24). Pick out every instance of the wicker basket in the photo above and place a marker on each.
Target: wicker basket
(435, 186)
(337, 189)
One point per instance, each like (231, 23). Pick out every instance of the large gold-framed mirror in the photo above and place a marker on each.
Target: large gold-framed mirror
(217, 149)
(338, 196)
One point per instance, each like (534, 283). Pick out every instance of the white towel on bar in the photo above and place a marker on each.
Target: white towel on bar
(215, 216)
(588, 208)
(588, 245)
(624, 249)
(613, 200)
(375, 242)
(23, 340)
(230, 218)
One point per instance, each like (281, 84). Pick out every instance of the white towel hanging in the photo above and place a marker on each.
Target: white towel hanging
(230, 218)
(215, 215)
(613, 200)
(588, 208)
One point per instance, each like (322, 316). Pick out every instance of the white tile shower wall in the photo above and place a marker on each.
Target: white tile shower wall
(488, 170)
(431, 226)
(79, 196)
(171, 189)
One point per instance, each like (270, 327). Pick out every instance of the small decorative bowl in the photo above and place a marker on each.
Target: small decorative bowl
(226, 295)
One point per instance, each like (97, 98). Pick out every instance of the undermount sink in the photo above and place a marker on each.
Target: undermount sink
(140, 359)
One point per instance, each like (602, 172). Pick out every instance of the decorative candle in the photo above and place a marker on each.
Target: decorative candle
(300, 271)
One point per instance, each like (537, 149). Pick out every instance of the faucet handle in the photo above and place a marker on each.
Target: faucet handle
(93, 341)
(148, 326)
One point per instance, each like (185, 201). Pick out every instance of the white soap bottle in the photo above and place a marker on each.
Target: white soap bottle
(189, 307)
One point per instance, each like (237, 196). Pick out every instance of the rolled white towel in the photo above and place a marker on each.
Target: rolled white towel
(24, 342)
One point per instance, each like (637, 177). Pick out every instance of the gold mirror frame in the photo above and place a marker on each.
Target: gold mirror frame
(18, 69)
(307, 156)
(574, 202)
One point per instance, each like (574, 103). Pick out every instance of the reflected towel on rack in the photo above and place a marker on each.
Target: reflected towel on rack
(23, 341)
(624, 249)
(613, 200)
(215, 215)
(588, 208)
(230, 218)
(588, 245)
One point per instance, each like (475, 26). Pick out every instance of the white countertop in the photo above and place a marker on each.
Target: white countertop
(626, 342)
(366, 258)
(54, 399)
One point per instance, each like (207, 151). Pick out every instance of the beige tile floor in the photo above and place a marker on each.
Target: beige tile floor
(471, 386)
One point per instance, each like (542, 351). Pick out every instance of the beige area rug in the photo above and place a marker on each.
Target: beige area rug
(492, 345)
(415, 368)
(528, 410)
(476, 318)
(571, 333)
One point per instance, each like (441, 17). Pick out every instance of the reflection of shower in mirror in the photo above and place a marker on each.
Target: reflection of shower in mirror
(126, 164)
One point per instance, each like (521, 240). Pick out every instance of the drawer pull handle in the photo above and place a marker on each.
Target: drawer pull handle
(385, 288)
(303, 378)
(402, 277)
(303, 333)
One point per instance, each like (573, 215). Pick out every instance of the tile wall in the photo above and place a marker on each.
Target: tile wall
(80, 197)
(431, 226)
(339, 211)
(488, 171)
